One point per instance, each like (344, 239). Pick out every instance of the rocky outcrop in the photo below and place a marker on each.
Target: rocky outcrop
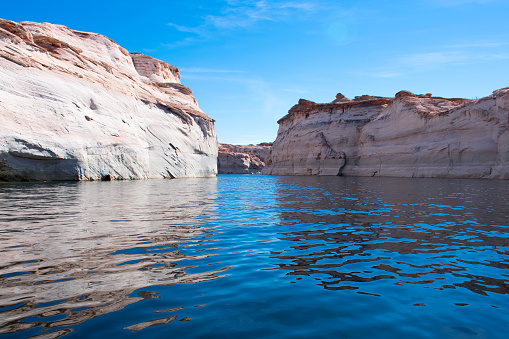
(236, 159)
(405, 136)
(77, 106)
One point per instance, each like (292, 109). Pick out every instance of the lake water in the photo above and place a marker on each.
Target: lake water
(255, 257)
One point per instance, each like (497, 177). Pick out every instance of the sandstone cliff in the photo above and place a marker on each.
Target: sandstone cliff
(236, 159)
(406, 136)
(77, 106)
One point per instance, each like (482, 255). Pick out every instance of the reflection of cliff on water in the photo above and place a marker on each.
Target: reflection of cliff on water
(73, 251)
(350, 232)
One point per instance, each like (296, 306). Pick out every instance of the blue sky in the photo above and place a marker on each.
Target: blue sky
(249, 61)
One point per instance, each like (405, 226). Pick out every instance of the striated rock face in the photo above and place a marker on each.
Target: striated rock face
(77, 106)
(236, 159)
(406, 136)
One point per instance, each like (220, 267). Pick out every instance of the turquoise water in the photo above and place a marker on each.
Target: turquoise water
(255, 257)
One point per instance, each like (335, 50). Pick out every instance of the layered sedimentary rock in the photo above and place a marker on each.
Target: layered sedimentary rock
(77, 106)
(406, 136)
(237, 159)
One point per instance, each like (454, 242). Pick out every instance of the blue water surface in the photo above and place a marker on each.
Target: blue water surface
(255, 257)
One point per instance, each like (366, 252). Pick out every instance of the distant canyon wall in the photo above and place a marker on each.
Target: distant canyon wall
(237, 159)
(77, 106)
(405, 136)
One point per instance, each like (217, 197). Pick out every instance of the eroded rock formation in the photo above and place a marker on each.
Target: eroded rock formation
(405, 136)
(77, 106)
(236, 159)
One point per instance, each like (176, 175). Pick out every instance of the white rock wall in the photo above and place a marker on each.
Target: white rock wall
(408, 136)
(73, 106)
(469, 141)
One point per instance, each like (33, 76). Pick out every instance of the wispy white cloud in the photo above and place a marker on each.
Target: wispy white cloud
(477, 45)
(185, 29)
(218, 77)
(295, 90)
(244, 13)
(329, 18)
(460, 54)
(180, 43)
(386, 74)
(435, 59)
(454, 3)
(445, 56)
(255, 84)
(209, 70)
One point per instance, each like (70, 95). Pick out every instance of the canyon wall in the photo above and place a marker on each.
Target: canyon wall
(238, 159)
(77, 106)
(405, 136)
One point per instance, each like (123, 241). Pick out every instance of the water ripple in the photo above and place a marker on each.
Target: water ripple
(255, 256)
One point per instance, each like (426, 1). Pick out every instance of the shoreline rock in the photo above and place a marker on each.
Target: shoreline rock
(77, 106)
(406, 136)
(237, 159)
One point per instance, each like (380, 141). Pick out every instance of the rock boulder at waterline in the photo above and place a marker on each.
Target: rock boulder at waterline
(77, 106)
(406, 136)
